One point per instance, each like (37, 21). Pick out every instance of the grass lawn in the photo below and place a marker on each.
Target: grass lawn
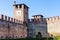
(58, 38)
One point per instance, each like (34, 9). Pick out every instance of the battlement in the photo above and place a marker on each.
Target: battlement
(9, 19)
(55, 18)
(37, 16)
(18, 6)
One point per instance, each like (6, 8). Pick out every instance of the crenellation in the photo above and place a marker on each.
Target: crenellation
(11, 19)
(50, 18)
(16, 21)
(55, 18)
(4, 17)
(8, 18)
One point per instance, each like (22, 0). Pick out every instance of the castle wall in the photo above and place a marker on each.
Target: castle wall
(42, 28)
(39, 26)
(53, 26)
(3, 29)
(47, 27)
(12, 28)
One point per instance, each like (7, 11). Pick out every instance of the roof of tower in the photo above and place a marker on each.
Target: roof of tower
(37, 15)
(21, 4)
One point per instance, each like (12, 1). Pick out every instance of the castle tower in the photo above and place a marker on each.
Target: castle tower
(37, 18)
(21, 12)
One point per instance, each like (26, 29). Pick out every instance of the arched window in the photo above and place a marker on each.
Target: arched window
(39, 35)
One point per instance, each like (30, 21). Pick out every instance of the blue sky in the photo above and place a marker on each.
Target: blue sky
(47, 8)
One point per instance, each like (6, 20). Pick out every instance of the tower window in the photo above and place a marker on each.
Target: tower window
(16, 6)
(20, 6)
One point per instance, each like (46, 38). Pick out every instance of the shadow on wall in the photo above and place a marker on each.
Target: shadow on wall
(38, 25)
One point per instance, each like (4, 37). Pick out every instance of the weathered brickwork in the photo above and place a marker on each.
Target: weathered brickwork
(12, 29)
